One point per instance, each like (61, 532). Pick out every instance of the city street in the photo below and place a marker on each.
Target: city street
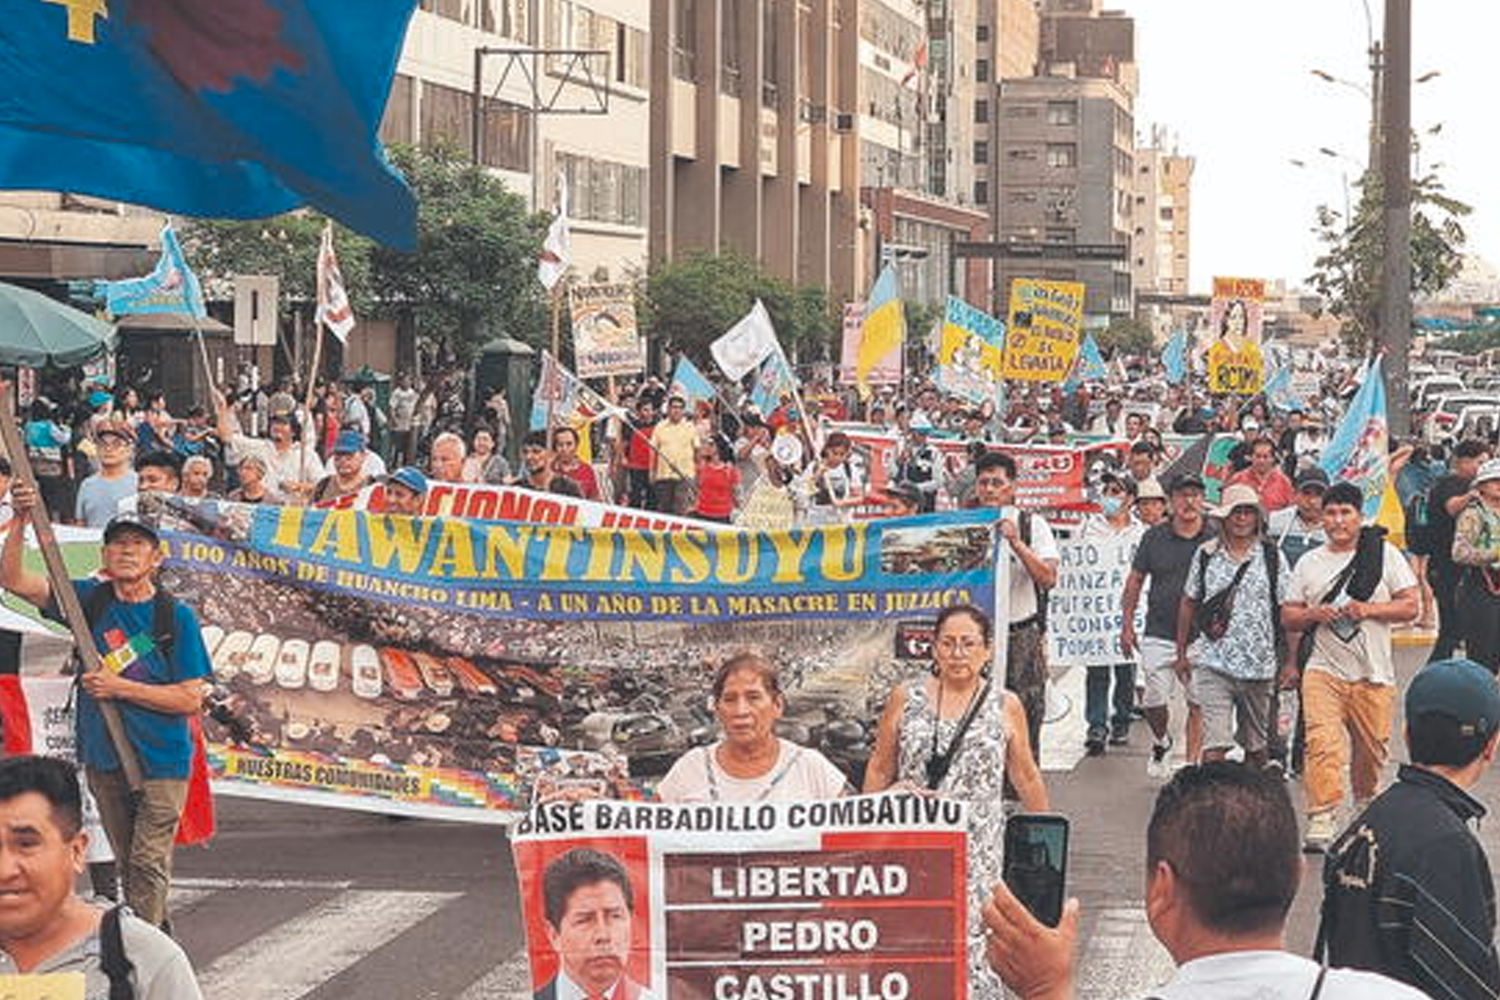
(310, 903)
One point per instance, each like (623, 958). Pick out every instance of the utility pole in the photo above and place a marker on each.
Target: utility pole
(1395, 156)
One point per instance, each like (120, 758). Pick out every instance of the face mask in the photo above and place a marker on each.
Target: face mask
(1111, 505)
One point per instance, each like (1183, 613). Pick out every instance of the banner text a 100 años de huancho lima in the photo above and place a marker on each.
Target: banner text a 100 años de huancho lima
(444, 667)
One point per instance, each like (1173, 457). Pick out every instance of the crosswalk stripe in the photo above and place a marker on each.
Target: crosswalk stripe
(301, 954)
(509, 980)
(181, 899)
(1122, 956)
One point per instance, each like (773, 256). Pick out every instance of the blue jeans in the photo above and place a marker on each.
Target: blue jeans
(1096, 698)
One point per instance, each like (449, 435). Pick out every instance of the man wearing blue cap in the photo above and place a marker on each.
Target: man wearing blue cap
(405, 492)
(349, 475)
(1407, 888)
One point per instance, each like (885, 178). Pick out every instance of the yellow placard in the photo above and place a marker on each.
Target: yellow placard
(1041, 340)
(52, 986)
(1238, 371)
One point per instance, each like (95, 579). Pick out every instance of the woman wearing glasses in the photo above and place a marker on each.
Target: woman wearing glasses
(957, 734)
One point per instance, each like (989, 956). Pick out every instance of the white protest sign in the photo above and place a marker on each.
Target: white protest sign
(1083, 616)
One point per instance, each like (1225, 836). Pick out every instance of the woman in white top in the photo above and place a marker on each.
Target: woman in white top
(751, 763)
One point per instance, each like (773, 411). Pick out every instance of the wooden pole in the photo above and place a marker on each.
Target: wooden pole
(62, 586)
(557, 296)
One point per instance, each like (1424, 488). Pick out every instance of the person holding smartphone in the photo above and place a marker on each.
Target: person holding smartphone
(959, 734)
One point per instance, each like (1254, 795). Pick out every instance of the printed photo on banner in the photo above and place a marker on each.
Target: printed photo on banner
(448, 667)
(606, 340)
(1041, 337)
(1236, 316)
(970, 361)
(849, 898)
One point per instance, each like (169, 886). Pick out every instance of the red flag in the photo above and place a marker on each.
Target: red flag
(197, 823)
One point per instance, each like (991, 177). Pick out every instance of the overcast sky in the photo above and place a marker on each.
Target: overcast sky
(1233, 83)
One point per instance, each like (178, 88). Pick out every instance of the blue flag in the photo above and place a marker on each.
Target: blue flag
(690, 383)
(1174, 358)
(171, 288)
(1278, 390)
(1091, 366)
(1357, 453)
(230, 108)
(774, 380)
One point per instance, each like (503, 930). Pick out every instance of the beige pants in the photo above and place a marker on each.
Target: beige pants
(141, 829)
(1348, 728)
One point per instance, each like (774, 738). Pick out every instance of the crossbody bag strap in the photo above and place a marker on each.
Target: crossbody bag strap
(944, 761)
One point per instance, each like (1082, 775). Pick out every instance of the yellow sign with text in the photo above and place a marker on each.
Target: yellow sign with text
(1046, 319)
(1241, 372)
(52, 986)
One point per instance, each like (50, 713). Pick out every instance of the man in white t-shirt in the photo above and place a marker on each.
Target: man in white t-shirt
(1033, 572)
(1349, 591)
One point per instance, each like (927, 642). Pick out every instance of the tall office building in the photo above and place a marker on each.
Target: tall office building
(1064, 164)
(1163, 218)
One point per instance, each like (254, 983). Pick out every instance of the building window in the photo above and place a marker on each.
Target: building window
(1166, 214)
(506, 136)
(1062, 154)
(981, 112)
(1021, 197)
(1021, 111)
(602, 191)
(981, 32)
(685, 44)
(981, 152)
(446, 120)
(1021, 153)
(395, 126)
(981, 71)
(1062, 112)
(981, 192)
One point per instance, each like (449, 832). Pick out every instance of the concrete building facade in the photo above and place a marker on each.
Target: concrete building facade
(1065, 174)
(1161, 247)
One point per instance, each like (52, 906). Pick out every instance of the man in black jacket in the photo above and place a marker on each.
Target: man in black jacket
(1407, 888)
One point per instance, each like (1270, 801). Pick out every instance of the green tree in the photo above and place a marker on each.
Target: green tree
(1125, 335)
(689, 302)
(473, 275)
(285, 246)
(1347, 273)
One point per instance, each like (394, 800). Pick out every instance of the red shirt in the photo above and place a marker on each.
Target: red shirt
(638, 454)
(716, 486)
(582, 473)
(1275, 491)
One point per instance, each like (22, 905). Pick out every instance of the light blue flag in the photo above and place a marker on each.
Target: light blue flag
(773, 380)
(1175, 357)
(1091, 367)
(1358, 452)
(171, 288)
(1278, 390)
(690, 383)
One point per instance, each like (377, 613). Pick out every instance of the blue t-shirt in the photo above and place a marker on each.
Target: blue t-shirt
(163, 742)
(99, 498)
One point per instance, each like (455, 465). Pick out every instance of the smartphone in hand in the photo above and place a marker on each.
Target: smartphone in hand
(1036, 863)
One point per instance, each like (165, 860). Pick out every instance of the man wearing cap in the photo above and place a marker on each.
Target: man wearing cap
(920, 465)
(1265, 477)
(1407, 887)
(1233, 661)
(1162, 558)
(154, 689)
(1150, 502)
(1445, 501)
(349, 475)
(405, 492)
(1347, 593)
(1298, 529)
(100, 494)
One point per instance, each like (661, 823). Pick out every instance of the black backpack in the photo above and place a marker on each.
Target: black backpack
(163, 615)
(112, 959)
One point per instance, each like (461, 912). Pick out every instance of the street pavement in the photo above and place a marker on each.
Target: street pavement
(294, 903)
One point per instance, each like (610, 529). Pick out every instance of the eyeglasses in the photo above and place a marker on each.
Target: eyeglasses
(966, 645)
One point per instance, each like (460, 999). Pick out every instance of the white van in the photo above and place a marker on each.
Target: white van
(291, 664)
(323, 666)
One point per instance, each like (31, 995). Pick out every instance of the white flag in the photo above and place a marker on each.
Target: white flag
(552, 262)
(333, 301)
(748, 343)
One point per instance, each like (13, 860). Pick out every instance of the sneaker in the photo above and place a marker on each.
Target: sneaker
(1094, 744)
(1156, 764)
(1119, 736)
(1321, 829)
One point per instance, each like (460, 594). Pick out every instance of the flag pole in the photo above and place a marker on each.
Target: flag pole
(557, 296)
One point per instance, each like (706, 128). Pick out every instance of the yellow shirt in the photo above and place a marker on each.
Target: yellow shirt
(678, 444)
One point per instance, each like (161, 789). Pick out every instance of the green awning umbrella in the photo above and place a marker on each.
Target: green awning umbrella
(36, 331)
